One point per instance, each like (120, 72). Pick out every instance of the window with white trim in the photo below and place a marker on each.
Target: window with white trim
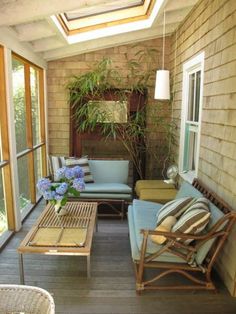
(192, 95)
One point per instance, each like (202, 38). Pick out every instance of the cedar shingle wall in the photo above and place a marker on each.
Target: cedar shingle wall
(211, 27)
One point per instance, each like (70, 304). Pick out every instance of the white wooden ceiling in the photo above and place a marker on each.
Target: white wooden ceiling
(30, 22)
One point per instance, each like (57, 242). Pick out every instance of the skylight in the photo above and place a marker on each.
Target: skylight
(107, 19)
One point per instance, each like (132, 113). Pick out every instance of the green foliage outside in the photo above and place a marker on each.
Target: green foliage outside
(20, 131)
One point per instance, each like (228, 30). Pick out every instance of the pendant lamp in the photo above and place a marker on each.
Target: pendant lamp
(162, 85)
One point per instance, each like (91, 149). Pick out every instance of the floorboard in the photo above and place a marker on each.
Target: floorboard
(111, 289)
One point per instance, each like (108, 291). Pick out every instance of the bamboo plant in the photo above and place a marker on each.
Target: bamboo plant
(102, 79)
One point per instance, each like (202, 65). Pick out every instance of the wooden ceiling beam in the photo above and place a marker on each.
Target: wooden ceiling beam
(107, 42)
(47, 44)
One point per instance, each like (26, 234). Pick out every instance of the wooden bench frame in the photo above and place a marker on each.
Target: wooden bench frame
(219, 232)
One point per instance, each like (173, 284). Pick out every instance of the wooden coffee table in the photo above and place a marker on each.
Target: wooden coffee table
(61, 235)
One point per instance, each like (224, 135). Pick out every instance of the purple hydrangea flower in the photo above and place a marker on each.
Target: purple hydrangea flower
(78, 184)
(62, 188)
(49, 195)
(78, 172)
(69, 173)
(60, 173)
(43, 185)
(58, 197)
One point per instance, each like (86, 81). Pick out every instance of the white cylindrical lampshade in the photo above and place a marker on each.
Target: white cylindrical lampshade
(162, 87)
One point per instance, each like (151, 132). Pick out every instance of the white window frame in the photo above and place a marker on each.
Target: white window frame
(189, 67)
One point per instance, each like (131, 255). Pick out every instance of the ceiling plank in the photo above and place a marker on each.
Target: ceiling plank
(173, 16)
(41, 29)
(173, 5)
(23, 11)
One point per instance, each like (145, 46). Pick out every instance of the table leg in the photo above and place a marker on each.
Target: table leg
(96, 223)
(21, 268)
(88, 267)
(122, 209)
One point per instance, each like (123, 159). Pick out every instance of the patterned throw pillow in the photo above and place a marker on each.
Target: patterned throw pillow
(174, 208)
(55, 162)
(83, 163)
(195, 219)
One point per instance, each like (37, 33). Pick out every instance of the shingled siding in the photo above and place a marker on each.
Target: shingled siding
(211, 27)
(59, 73)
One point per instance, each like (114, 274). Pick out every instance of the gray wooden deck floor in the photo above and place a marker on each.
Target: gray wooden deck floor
(111, 290)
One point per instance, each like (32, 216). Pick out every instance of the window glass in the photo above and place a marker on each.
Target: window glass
(23, 175)
(197, 95)
(191, 96)
(35, 105)
(190, 148)
(3, 214)
(18, 79)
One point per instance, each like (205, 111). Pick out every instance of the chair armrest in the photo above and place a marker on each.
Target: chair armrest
(177, 235)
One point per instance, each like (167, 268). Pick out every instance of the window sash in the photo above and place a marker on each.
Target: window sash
(5, 153)
(191, 117)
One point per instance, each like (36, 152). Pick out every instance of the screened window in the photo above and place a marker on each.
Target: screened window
(29, 128)
(191, 115)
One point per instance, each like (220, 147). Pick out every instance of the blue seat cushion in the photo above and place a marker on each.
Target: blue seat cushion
(152, 247)
(144, 215)
(114, 196)
(107, 188)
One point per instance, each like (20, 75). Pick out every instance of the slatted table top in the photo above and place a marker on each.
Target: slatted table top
(70, 234)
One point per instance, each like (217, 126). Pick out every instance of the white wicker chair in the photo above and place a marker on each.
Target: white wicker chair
(25, 299)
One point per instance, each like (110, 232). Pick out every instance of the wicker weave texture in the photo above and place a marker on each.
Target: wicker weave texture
(25, 299)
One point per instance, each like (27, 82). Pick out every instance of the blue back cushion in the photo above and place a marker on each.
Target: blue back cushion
(109, 171)
(187, 189)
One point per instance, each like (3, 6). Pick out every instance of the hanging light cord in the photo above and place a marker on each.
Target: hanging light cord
(173, 99)
(163, 40)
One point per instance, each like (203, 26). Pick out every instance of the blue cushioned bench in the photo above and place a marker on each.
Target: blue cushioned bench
(110, 184)
(142, 222)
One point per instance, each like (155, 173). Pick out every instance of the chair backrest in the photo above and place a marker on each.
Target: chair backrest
(186, 189)
(19, 298)
(222, 220)
(217, 236)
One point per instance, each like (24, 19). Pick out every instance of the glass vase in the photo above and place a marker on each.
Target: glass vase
(59, 209)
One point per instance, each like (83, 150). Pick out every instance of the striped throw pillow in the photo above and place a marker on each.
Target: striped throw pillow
(55, 162)
(83, 163)
(194, 220)
(174, 208)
